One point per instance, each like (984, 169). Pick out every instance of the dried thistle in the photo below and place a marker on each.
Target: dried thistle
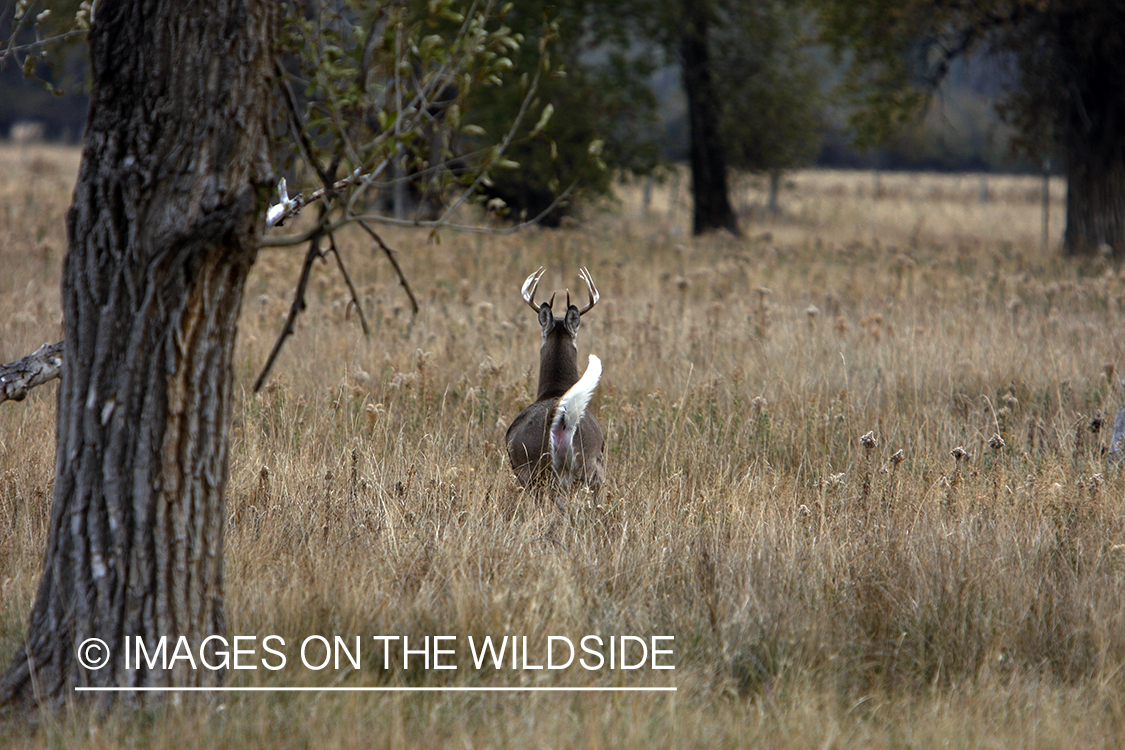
(889, 492)
(869, 444)
(959, 454)
(996, 443)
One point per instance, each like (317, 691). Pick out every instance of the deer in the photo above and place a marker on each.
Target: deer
(555, 443)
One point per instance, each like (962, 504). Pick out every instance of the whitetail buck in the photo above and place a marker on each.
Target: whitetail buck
(555, 443)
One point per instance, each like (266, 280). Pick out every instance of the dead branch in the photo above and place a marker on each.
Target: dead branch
(302, 136)
(41, 366)
(348, 280)
(394, 262)
(314, 252)
(295, 309)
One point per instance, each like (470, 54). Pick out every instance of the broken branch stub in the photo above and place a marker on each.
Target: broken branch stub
(41, 366)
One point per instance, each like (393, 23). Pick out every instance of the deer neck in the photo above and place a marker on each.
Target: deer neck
(558, 370)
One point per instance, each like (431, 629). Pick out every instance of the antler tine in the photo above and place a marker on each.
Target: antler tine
(594, 294)
(529, 287)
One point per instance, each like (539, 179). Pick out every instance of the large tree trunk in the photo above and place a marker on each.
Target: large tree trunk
(1089, 48)
(164, 227)
(710, 195)
(1095, 198)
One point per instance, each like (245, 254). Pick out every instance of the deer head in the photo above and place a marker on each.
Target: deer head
(558, 354)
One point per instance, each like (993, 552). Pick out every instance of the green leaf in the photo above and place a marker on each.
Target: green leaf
(544, 118)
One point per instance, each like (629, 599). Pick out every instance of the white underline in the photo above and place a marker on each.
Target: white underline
(116, 689)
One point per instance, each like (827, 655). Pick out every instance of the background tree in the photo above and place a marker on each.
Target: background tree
(707, 152)
(770, 88)
(1066, 98)
(168, 215)
(752, 90)
(599, 94)
(753, 97)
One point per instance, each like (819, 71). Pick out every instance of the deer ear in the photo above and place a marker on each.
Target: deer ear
(546, 318)
(573, 320)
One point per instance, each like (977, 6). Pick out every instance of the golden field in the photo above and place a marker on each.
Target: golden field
(821, 592)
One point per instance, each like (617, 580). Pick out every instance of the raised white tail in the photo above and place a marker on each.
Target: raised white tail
(568, 413)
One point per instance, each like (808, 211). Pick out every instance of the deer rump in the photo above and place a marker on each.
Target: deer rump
(529, 447)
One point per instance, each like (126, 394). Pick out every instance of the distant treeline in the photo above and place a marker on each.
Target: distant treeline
(961, 134)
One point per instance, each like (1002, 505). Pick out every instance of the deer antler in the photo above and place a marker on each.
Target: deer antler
(529, 287)
(594, 294)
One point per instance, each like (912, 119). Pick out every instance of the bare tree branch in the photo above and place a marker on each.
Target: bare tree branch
(41, 366)
(412, 97)
(348, 281)
(327, 193)
(302, 135)
(295, 204)
(38, 44)
(394, 262)
(295, 309)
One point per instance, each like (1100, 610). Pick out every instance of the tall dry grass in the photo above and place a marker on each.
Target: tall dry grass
(821, 591)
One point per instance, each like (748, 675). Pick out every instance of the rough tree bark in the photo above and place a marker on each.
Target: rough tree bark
(1095, 192)
(164, 227)
(709, 190)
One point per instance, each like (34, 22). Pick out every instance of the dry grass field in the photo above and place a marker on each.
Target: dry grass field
(821, 592)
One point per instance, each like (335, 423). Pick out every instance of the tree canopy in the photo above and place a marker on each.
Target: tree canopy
(603, 111)
(770, 85)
